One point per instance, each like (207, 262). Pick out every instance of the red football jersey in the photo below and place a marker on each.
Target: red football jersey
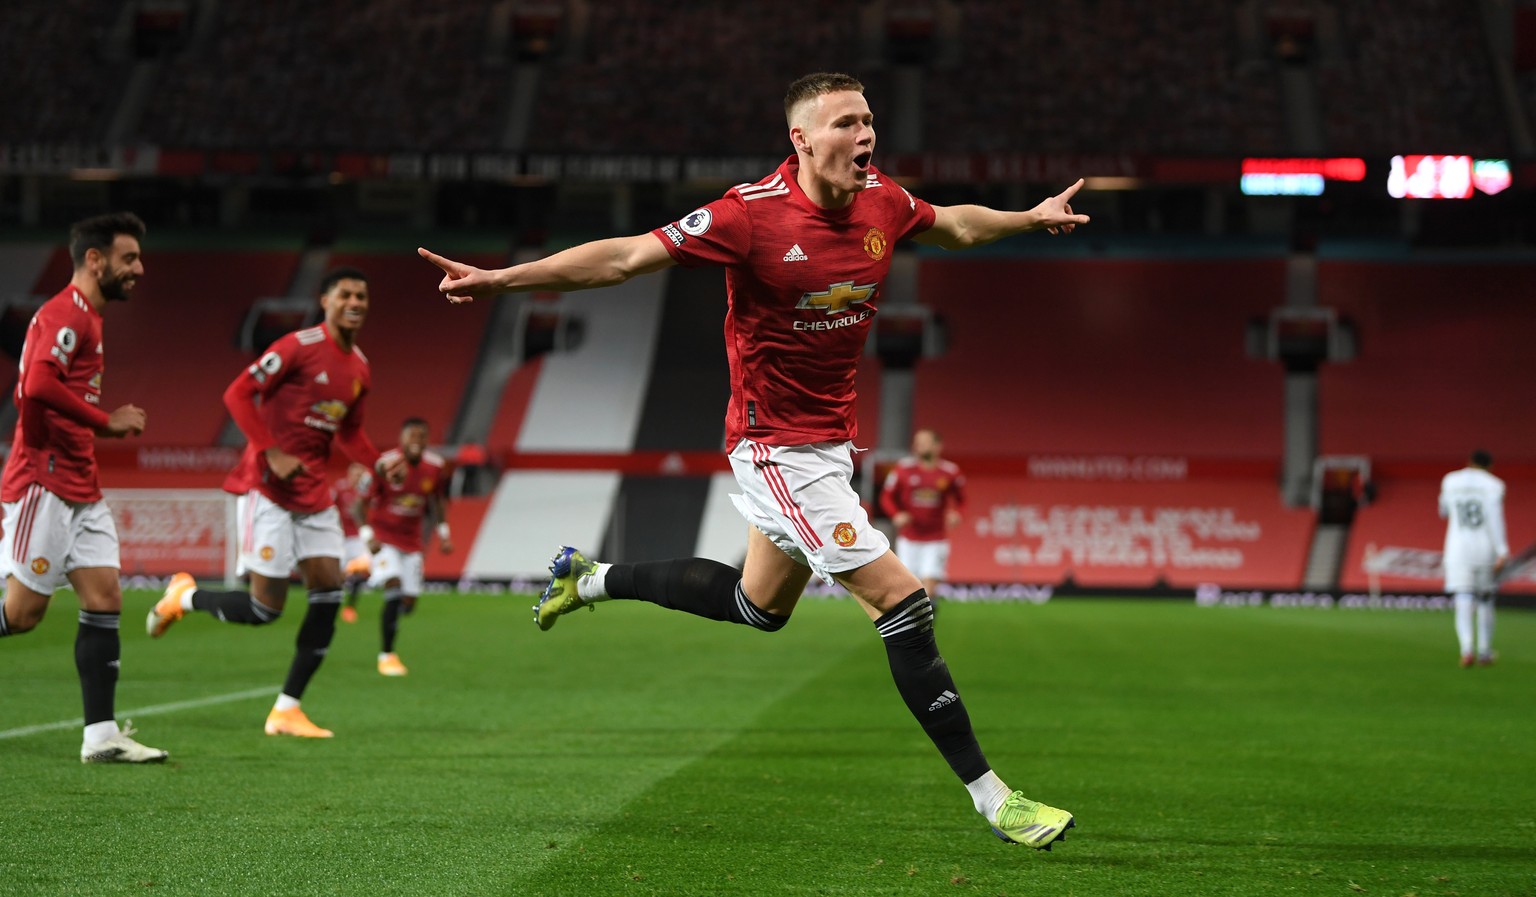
(50, 449)
(310, 390)
(802, 283)
(924, 492)
(346, 495)
(396, 513)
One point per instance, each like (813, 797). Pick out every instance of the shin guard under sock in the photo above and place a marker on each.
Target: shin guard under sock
(97, 651)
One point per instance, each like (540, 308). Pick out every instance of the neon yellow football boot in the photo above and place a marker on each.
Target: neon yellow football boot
(560, 597)
(1031, 823)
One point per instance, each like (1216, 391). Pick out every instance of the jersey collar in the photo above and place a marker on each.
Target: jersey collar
(791, 171)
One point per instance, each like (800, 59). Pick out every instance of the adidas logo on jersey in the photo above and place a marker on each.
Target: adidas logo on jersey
(796, 254)
(322, 378)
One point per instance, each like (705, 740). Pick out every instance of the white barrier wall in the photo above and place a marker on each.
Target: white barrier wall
(535, 512)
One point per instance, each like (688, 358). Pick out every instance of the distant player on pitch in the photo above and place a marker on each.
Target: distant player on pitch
(805, 251)
(924, 495)
(58, 531)
(306, 392)
(1476, 550)
(398, 515)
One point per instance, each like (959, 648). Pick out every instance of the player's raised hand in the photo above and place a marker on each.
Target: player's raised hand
(392, 468)
(127, 420)
(1056, 214)
(461, 282)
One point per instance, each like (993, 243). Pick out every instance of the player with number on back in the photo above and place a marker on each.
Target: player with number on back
(58, 531)
(398, 515)
(806, 250)
(306, 392)
(1476, 550)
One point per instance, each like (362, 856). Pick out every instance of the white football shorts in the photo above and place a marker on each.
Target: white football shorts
(273, 539)
(801, 497)
(1477, 579)
(927, 559)
(46, 538)
(392, 563)
(353, 547)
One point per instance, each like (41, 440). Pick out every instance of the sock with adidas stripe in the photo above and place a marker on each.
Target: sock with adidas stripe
(922, 677)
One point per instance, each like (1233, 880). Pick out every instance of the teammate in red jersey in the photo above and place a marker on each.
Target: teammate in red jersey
(57, 528)
(924, 495)
(307, 391)
(398, 515)
(805, 251)
(348, 493)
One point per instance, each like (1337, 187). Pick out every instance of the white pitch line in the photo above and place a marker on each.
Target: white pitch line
(152, 710)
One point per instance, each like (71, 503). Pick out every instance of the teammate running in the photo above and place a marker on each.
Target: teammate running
(58, 530)
(398, 513)
(305, 392)
(806, 250)
(923, 495)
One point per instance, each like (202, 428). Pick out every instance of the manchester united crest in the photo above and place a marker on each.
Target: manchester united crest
(266, 552)
(39, 566)
(874, 243)
(844, 534)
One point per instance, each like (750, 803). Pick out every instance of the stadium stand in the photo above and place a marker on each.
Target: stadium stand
(698, 99)
(415, 79)
(1140, 356)
(171, 349)
(1417, 78)
(56, 50)
(421, 348)
(1114, 76)
(1444, 360)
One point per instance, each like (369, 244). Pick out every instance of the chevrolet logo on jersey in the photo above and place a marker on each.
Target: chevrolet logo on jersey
(838, 297)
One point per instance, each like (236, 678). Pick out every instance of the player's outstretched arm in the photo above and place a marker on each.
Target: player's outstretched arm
(601, 263)
(961, 227)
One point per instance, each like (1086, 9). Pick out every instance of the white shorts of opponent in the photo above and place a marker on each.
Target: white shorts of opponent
(273, 539)
(801, 497)
(47, 538)
(927, 558)
(392, 563)
(1476, 579)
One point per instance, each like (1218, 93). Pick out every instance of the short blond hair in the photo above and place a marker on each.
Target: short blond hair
(809, 87)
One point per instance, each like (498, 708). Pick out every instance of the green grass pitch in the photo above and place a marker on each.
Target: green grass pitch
(633, 751)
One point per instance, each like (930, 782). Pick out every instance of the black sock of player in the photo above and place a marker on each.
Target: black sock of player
(97, 650)
(697, 586)
(391, 619)
(234, 607)
(314, 640)
(354, 585)
(5, 628)
(923, 679)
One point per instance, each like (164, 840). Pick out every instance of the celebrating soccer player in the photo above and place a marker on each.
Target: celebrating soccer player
(307, 391)
(398, 513)
(806, 250)
(57, 528)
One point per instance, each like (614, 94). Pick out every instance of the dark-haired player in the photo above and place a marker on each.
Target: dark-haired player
(305, 392)
(399, 512)
(806, 250)
(57, 528)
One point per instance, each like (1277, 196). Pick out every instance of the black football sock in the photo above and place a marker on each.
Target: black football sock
(698, 586)
(354, 585)
(234, 607)
(922, 677)
(314, 640)
(391, 619)
(97, 650)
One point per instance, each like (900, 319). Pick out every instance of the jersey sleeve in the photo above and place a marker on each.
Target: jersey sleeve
(274, 366)
(912, 215)
(957, 491)
(63, 332)
(718, 234)
(1496, 523)
(889, 493)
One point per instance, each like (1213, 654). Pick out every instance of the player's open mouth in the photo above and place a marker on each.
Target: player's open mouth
(861, 161)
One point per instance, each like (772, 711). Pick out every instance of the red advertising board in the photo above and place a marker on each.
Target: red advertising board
(1129, 534)
(162, 531)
